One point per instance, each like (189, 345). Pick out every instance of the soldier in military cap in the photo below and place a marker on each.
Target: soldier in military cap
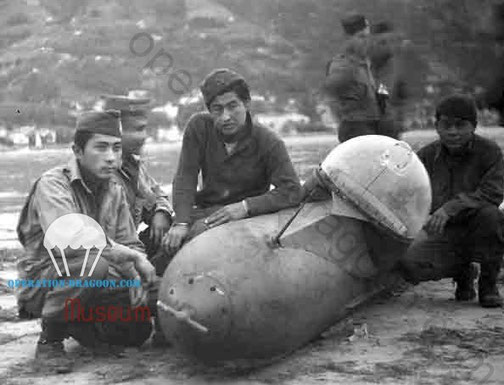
(350, 87)
(148, 202)
(86, 186)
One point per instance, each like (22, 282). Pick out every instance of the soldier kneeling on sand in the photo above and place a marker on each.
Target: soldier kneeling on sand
(85, 187)
(466, 225)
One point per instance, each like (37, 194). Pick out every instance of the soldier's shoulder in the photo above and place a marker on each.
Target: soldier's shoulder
(486, 143)
(199, 120)
(429, 148)
(487, 149)
(198, 125)
(59, 173)
(265, 135)
(53, 181)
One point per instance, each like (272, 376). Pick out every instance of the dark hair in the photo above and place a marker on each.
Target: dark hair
(460, 106)
(81, 138)
(239, 87)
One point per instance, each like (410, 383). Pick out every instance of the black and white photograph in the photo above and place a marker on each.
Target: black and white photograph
(243, 192)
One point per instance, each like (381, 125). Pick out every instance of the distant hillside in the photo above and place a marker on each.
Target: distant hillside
(57, 54)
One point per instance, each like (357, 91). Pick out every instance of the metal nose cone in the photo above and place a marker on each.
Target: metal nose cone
(384, 178)
(194, 313)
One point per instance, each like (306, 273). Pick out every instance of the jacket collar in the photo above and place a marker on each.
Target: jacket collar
(130, 166)
(72, 169)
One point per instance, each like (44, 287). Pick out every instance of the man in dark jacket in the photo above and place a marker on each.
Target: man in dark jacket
(466, 225)
(238, 159)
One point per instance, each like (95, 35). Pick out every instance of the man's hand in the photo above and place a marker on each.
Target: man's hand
(174, 238)
(231, 212)
(138, 296)
(160, 224)
(437, 222)
(146, 270)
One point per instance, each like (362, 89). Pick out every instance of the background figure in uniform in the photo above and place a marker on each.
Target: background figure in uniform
(238, 159)
(392, 59)
(349, 85)
(85, 186)
(148, 202)
(466, 225)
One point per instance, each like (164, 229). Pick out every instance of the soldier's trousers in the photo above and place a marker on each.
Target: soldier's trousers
(92, 314)
(351, 129)
(475, 235)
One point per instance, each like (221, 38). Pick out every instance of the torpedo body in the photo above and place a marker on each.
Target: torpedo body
(231, 294)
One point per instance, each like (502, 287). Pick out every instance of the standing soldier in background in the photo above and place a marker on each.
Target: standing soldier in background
(148, 202)
(350, 86)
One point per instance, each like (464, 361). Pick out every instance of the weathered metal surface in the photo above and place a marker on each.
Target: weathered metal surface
(230, 294)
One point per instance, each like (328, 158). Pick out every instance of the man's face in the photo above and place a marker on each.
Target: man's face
(229, 113)
(133, 141)
(365, 32)
(454, 133)
(381, 48)
(359, 46)
(101, 156)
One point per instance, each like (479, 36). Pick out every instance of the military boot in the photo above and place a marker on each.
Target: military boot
(487, 285)
(465, 283)
(50, 353)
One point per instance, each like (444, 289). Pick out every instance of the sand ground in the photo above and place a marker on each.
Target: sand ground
(413, 335)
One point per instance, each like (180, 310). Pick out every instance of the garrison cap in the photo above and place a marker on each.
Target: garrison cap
(133, 110)
(100, 122)
(124, 103)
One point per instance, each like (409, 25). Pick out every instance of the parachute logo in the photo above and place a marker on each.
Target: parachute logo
(75, 231)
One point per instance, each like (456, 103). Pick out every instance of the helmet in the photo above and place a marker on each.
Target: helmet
(383, 178)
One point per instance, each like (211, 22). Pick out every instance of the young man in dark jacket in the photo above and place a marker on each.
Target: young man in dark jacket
(466, 225)
(238, 159)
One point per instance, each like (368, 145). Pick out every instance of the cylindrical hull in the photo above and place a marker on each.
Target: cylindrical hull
(257, 301)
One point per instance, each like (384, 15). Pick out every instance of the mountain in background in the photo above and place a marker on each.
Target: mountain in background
(59, 55)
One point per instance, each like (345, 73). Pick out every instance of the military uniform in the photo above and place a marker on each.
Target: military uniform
(144, 195)
(351, 91)
(72, 189)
